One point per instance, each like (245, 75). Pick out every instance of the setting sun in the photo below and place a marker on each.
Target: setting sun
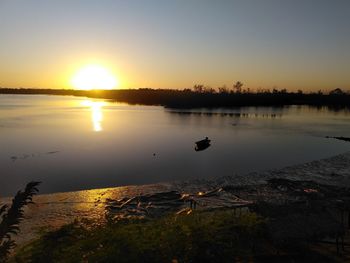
(94, 77)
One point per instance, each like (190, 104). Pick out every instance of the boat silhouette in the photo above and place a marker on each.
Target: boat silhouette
(202, 144)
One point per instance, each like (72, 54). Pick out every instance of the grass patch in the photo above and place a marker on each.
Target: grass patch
(217, 236)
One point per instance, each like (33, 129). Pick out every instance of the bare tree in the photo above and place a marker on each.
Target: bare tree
(237, 87)
(198, 88)
(223, 89)
(208, 90)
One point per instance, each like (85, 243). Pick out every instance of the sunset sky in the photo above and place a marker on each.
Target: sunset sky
(293, 44)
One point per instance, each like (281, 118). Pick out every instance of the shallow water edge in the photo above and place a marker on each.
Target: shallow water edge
(51, 211)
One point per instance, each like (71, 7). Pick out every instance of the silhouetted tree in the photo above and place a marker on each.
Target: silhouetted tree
(238, 87)
(247, 91)
(209, 90)
(198, 88)
(336, 91)
(223, 89)
(283, 91)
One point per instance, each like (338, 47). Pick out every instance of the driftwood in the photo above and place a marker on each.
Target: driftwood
(158, 204)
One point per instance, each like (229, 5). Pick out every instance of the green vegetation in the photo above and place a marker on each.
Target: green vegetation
(218, 236)
(206, 236)
(12, 216)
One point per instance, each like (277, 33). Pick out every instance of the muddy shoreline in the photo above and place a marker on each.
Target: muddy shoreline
(54, 210)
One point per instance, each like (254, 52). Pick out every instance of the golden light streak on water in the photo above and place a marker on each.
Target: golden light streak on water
(96, 113)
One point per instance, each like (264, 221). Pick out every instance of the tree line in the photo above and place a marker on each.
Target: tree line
(238, 88)
(202, 96)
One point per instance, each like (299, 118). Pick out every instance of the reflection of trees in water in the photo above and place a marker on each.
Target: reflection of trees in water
(333, 108)
(228, 114)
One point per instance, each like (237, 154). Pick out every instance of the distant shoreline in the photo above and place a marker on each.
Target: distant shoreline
(204, 99)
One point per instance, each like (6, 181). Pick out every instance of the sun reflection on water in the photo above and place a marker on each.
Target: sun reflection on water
(96, 113)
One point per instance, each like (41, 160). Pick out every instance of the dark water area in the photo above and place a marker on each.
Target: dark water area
(73, 143)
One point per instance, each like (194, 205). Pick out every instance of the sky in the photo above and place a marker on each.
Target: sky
(292, 44)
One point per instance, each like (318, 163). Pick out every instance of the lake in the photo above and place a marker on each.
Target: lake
(74, 143)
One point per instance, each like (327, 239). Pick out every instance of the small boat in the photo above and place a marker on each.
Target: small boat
(202, 144)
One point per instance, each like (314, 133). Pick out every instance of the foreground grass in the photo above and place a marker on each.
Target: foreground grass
(211, 236)
(202, 237)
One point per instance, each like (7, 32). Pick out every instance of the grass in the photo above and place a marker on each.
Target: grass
(206, 236)
(201, 237)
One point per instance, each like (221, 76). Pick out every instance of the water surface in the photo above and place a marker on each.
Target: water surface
(72, 143)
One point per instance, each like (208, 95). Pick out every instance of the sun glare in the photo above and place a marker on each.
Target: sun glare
(96, 113)
(94, 77)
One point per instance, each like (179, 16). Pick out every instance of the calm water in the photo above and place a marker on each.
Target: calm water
(72, 143)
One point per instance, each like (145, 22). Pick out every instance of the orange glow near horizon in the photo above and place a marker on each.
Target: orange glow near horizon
(94, 77)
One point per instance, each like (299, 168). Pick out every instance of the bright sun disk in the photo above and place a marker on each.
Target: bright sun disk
(94, 77)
